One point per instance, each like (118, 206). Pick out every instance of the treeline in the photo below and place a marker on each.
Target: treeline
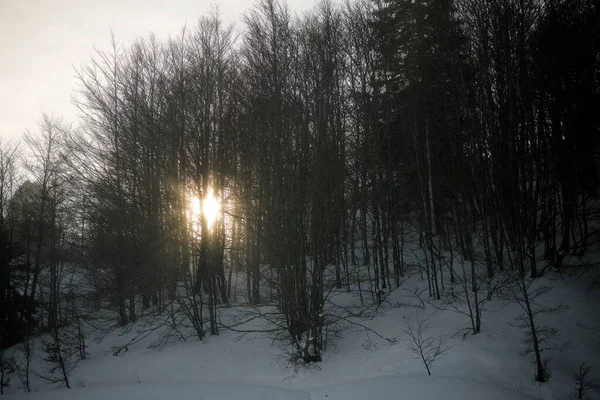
(328, 138)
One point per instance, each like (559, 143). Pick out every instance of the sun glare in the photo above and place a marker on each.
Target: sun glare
(208, 208)
(194, 208)
(211, 208)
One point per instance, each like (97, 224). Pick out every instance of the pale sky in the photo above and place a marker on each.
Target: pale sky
(41, 40)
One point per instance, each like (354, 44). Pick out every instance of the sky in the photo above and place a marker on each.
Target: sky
(41, 41)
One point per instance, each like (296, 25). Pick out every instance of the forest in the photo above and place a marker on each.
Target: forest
(297, 154)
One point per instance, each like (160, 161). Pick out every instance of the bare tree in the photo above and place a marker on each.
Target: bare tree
(26, 348)
(475, 291)
(15, 315)
(62, 353)
(526, 293)
(45, 165)
(584, 383)
(427, 348)
(7, 368)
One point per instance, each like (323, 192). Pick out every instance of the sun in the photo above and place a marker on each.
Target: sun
(207, 208)
(211, 208)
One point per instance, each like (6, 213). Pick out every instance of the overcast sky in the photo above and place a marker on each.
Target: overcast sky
(41, 41)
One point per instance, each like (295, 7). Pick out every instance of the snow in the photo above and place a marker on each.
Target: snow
(358, 364)
(173, 391)
(418, 387)
(407, 387)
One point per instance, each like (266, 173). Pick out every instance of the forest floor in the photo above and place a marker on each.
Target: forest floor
(359, 363)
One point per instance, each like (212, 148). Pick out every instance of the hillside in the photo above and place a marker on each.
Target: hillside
(357, 364)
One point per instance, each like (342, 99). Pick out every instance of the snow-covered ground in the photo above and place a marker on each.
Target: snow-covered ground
(179, 391)
(357, 365)
(405, 387)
